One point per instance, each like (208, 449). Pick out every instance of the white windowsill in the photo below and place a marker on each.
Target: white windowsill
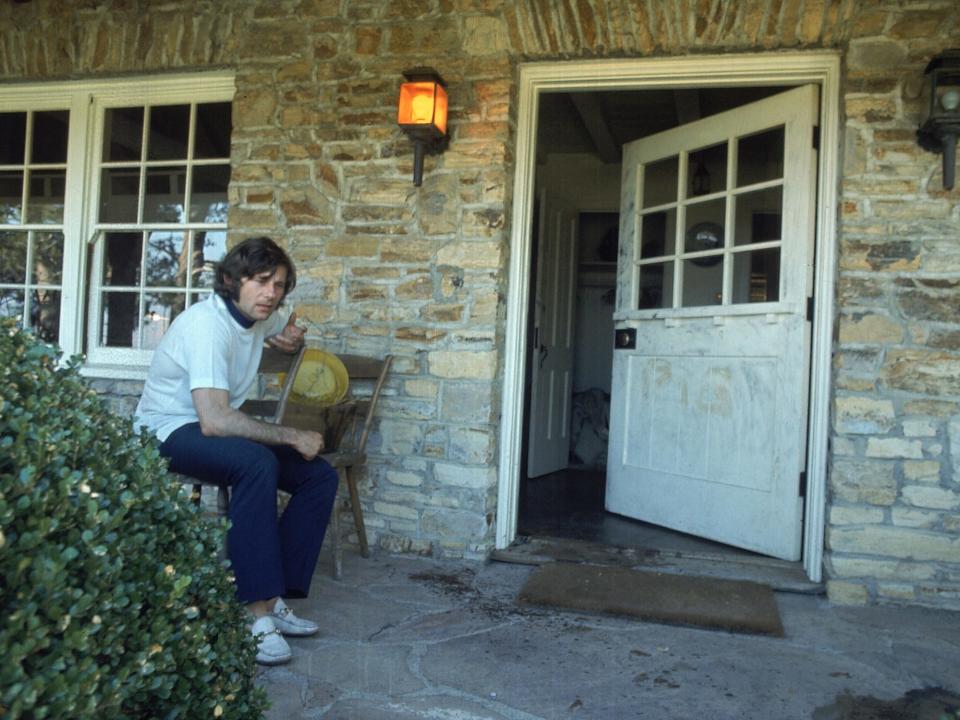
(114, 372)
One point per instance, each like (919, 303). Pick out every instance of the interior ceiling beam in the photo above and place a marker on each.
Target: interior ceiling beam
(687, 103)
(591, 113)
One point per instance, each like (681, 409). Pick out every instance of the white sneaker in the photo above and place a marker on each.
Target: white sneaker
(289, 624)
(272, 649)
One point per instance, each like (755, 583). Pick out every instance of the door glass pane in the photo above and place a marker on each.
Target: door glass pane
(13, 257)
(213, 131)
(660, 181)
(756, 276)
(208, 202)
(169, 129)
(50, 137)
(13, 137)
(119, 195)
(702, 281)
(45, 314)
(707, 170)
(123, 134)
(658, 234)
(118, 319)
(656, 286)
(760, 157)
(122, 254)
(704, 226)
(11, 304)
(165, 196)
(11, 195)
(758, 216)
(45, 201)
(211, 246)
(47, 258)
(166, 261)
(159, 311)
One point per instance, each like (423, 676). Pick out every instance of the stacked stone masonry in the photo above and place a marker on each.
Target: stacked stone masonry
(318, 163)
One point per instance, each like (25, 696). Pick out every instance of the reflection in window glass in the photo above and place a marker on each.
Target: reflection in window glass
(702, 282)
(660, 182)
(166, 261)
(656, 286)
(118, 319)
(756, 276)
(658, 234)
(13, 137)
(208, 201)
(50, 137)
(760, 157)
(165, 197)
(47, 258)
(45, 314)
(758, 216)
(707, 170)
(160, 309)
(123, 252)
(13, 257)
(11, 303)
(119, 195)
(213, 131)
(11, 197)
(213, 246)
(169, 131)
(122, 134)
(45, 201)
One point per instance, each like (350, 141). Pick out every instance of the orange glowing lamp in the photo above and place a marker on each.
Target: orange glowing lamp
(422, 114)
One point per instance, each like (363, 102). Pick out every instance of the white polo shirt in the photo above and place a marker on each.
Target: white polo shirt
(205, 347)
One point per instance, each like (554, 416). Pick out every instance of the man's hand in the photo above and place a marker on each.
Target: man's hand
(308, 443)
(290, 339)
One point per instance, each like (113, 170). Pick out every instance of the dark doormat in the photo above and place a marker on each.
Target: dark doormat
(732, 605)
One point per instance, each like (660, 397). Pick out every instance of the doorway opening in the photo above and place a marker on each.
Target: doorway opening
(589, 90)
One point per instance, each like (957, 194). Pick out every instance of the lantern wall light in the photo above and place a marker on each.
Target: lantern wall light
(422, 114)
(939, 132)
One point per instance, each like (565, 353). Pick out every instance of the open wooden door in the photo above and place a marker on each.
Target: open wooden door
(710, 370)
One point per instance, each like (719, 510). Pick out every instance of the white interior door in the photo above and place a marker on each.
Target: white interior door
(709, 392)
(551, 356)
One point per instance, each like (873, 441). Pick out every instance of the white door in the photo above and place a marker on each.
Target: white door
(551, 355)
(709, 395)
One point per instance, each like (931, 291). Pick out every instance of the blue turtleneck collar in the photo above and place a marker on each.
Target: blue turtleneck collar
(242, 320)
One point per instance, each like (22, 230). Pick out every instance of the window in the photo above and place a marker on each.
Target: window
(113, 208)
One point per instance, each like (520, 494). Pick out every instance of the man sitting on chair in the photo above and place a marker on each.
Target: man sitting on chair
(199, 377)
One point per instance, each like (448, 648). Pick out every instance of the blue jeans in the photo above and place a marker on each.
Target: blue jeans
(270, 557)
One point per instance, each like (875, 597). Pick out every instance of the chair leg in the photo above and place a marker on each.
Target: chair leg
(357, 512)
(334, 529)
(196, 494)
(223, 500)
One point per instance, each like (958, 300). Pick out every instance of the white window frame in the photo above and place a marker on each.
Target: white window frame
(86, 101)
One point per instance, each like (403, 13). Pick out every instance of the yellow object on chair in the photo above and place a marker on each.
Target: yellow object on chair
(322, 378)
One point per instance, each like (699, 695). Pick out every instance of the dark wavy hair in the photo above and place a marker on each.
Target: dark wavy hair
(251, 257)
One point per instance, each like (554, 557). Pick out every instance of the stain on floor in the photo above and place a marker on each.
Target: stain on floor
(920, 704)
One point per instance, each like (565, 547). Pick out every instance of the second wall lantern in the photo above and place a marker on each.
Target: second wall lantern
(939, 132)
(422, 114)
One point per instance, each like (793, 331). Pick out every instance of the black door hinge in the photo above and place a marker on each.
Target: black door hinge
(810, 309)
(803, 484)
(816, 137)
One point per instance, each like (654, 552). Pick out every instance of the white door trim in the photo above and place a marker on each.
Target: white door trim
(781, 68)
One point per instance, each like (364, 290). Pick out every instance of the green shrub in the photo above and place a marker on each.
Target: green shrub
(114, 603)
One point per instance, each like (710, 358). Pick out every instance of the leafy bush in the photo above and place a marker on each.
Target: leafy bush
(114, 603)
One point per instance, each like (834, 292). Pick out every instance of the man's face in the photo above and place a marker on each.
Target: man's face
(261, 294)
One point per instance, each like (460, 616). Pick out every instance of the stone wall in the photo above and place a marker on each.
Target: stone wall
(319, 163)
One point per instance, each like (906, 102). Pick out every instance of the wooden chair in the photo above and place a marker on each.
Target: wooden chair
(346, 426)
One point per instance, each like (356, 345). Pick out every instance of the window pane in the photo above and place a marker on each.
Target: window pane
(159, 311)
(47, 258)
(212, 246)
(758, 216)
(756, 276)
(760, 157)
(208, 202)
(165, 196)
(166, 261)
(169, 128)
(45, 314)
(122, 254)
(13, 257)
(660, 182)
(656, 286)
(119, 195)
(45, 201)
(13, 137)
(707, 170)
(118, 318)
(11, 196)
(50, 137)
(702, 282)
(212, 138)
(658, 234)
(704, 226)
(11, 304)
(122, 134)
